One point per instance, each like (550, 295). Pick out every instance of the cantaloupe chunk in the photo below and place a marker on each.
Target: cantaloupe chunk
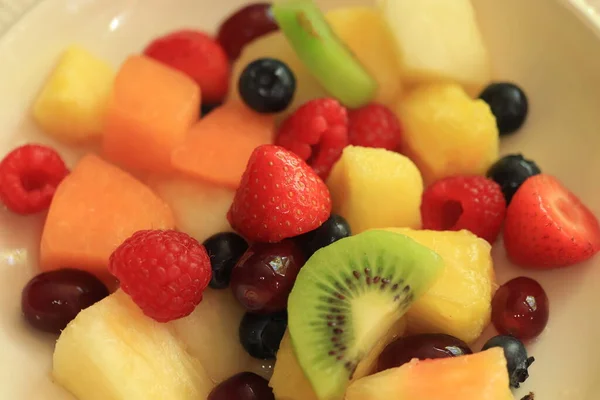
(149, 114)
(93, 211)
(218, 147)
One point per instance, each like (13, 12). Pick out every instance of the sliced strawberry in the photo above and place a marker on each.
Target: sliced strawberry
(279, 197)
(547, 226)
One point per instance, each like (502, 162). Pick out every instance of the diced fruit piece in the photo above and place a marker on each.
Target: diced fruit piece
(206, 108)
(279, 197)
(509, 105)
(245, 25)
(479, 376)
(520, 308)
(263, 278)
(29, 176)
(446, 133)
(517, 360)
(290, 383)
(197, 55)
(164, 272)
(98, 351)
(210, 334)
(374, 125)
(218, 147)
(347, 296)
(224, 250)
(317, 132)
(547, 226)
(243, 386)
(150, 112)
(471, 202)
(332, 230)
(438, 41)
(93, 211)
(510, 172)
(275, 45)
(328, 58)
(261, 334)
(267, 85)
(199, 207)
(459, 303)
(373, 45)
(53, 299)
(376, 188)
(72, 104)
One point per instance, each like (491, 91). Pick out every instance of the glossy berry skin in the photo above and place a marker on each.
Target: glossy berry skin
(520, 308)
(263, 278)
(510, 172)
(517, 360)
(224, 250)
(29, 176)
(242, 386)
(53, 299)
(245, 25)
(423, 347)
(267, 85)
(509, 105)
(261, 335)
(332, 230)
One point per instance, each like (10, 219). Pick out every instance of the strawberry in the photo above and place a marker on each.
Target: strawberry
(279, 197)
(547, 226)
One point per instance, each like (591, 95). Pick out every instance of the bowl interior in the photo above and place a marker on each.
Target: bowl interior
(540, 44)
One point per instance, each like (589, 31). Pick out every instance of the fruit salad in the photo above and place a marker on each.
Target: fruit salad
(301, 205)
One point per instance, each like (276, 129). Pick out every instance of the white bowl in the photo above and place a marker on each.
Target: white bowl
(550, 48)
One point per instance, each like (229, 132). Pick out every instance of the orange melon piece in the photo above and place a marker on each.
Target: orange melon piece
(149, 114)
(218, 147)
(93, 211)
(481, 376)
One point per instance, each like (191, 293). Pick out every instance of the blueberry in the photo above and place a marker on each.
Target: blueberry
(267, 85)
(224, 250)
(509, 105)
(261, 334)
(332, 230)
(205, 109)
(510, 172)
(517, 360)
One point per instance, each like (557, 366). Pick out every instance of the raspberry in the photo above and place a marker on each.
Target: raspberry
(164, 272)
(374, 125)
(474, 203)
(317, 132)
(197, 55)
(29, 176)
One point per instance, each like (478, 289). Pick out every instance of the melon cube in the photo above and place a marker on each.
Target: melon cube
(72, 104)
(93, 211)
(149, 114)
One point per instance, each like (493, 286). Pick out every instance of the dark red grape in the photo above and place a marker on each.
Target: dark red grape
(53, 299)
(423, 347)
(263, 278)
(243, 386)
(520, 308)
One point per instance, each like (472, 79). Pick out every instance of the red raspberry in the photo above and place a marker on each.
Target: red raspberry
(474, 203)
(374, 125)
(29, 176)
(317, 132)
(164, 272)
(199, 56)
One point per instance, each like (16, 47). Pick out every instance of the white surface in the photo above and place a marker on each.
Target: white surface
(540, 44)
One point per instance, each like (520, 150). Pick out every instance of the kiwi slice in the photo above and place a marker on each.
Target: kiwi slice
(323, 53)
(347, 296)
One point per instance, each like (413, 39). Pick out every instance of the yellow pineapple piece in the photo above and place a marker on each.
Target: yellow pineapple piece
(460, 302)
(446, 132)
(367, 35)
(376, 188)
(112, 351)
(290, 383)
(73, 101)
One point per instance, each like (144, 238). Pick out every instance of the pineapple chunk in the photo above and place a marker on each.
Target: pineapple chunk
(460, 302)
(73, 101)
(376, 188)
(112, 351)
